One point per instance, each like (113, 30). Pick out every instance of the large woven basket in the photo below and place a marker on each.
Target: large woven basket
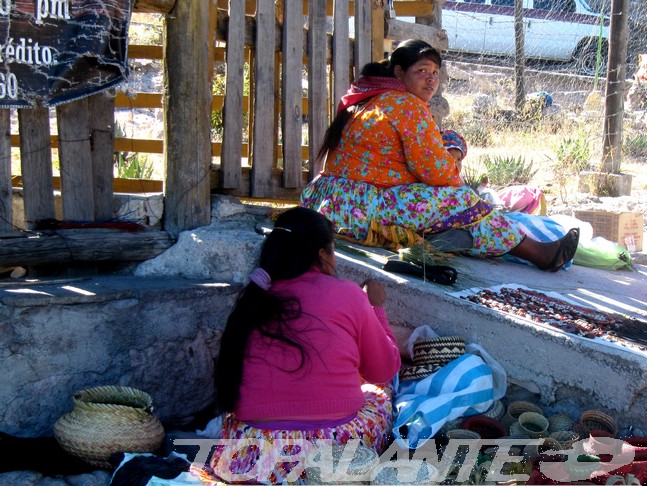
(106, 420)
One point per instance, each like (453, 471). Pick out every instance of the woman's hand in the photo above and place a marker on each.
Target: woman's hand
(375, 291)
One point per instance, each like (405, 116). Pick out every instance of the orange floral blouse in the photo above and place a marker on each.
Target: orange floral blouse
(393, 140)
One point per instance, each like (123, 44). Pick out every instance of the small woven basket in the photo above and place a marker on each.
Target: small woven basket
(106, 420)
(596, 420)
(534, 425)
(496, 411)
(515, 409)
(560, 421)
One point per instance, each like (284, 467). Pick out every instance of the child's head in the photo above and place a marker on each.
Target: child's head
(455, 144)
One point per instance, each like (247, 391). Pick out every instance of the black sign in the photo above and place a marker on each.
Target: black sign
(55, 51)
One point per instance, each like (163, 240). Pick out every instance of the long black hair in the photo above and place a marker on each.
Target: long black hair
(290, 250)
(405, 55)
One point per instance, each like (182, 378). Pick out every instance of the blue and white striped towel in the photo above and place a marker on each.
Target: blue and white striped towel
(461, 388)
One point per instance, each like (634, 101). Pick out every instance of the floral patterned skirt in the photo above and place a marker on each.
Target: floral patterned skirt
(264, 456)
(352, 205)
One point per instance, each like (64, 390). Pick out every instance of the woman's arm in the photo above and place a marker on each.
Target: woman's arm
(378, 348)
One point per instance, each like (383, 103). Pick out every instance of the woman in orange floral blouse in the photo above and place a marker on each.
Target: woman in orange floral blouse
(385, 162)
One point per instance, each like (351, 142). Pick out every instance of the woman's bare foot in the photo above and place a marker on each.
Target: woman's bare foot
(565, 251)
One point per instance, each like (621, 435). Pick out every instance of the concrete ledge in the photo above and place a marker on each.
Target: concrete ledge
(570, 373)
(156, 334)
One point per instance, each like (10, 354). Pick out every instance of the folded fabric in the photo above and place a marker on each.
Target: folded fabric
(461, 388)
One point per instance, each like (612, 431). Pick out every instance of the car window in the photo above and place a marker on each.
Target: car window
(556, 5)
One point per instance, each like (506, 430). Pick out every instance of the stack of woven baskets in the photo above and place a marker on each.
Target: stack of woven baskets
(106, 420)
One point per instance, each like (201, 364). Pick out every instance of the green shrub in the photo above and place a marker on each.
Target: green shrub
(472, 175)
(636, 146)
(131, 165)
(573, 155)
(503, 171)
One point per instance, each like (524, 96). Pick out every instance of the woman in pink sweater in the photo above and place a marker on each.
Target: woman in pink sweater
(304, 357)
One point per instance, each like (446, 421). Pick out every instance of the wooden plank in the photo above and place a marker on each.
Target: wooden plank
(377, 30)
(278, 192)
(102, 132)
(83, 245)
(73, 120)
(263, 132)
(362, 34)
(139, 100)
(136, 51)
(187, 127)
(340, 52)
(6, 193)
(36, 164)
(291, 90)
(232, 136)
(118, 184)
(154, 6)
(413, 9)
(317, 79)
(399, 30)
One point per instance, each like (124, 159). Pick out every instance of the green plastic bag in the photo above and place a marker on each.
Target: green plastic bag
(600, 253)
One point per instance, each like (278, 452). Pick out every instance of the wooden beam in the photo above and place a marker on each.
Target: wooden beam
(86, 245)
(232, 137)
(377, 30)
(291, 90)
(153, 6)
(73, 120)
(399, 30)
(615, 90)
(102, 138)
(6, 194)
(188, 68)
(318, 114)
(263, 125)
(36, 162)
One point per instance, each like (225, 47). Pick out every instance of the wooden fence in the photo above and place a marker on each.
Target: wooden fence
(272, 39)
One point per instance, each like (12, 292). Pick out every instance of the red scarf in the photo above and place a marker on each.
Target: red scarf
(367, 87)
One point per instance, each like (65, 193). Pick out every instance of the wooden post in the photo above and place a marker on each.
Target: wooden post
(36, 164)
(614, 101)
(73, 121)
(263, 142)
(317, 114)
(340, 52)
(102, 133)
(6, 193)
(291, 89)
(362, 34)
(188, 69)
(519, 55)
(232, 136)
(377, 30)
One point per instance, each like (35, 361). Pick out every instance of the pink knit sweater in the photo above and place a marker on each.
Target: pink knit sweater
(345, 339)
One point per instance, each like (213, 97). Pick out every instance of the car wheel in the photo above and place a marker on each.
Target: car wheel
(586, 57)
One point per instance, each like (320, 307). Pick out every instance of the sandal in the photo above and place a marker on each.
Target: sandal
(440, 274)
(565, 251)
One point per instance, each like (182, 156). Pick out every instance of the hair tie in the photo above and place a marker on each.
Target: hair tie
(261, 278)
(283, 229)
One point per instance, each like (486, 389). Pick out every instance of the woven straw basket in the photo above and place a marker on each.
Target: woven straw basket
(106, 420)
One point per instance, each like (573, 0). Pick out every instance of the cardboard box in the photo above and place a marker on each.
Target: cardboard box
(617, 227)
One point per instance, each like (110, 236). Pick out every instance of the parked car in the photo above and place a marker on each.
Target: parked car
(560, 30)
